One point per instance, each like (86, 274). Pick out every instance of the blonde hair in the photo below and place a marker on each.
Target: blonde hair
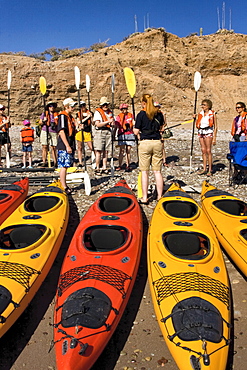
(150, 109)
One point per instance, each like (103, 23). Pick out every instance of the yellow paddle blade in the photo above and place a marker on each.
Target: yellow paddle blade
(189, 121)
(42, 85)
(139, 186)
(130, 81)
(69, 170)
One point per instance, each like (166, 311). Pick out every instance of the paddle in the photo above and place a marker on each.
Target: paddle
(89, 108)
(7, 130)
(197, 83)
(112, 130)
(87, 182)
(182, 123)
(130, 81)
(42, 87)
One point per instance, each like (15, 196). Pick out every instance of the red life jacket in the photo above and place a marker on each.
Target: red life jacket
(71, 122)
(6, 125)
(104, 118)
(27, 135)
(123, 119)
(210, 119)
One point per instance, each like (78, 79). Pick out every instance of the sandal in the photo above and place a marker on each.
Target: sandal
(97, 172)
(68, 190)
(105, 171)
(210, 173)
(140, 201)
(119, 168)
(202, 172)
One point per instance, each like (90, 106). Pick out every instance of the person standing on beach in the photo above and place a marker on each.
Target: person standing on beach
(27, 139)
(48, 137)
(66, 140)
(4, 127)
(207, 130)
(103, 121)
(239, 124)
(147, 126)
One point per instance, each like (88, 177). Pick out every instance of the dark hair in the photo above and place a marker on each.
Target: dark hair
(208, 102)
(242, 105)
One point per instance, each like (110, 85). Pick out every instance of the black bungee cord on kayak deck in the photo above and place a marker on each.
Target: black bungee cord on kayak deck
(184, 327)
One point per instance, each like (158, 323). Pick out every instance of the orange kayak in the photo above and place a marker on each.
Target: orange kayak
(11, 196)
(97, 277)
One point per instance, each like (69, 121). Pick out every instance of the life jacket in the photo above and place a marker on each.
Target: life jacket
(6, 125)
(123, 120)
(243, 124)
(103, 115)
(27, 135)
(71, 122)
(210, 119)
(80, 116)
(48, 116)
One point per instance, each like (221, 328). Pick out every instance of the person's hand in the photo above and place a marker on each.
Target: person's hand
(214, 141)
(68, 149)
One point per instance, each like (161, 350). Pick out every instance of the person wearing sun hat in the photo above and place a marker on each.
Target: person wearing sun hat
(4, 126)
(126, 137)
(66, 140)
(103, 121)
(48, 137)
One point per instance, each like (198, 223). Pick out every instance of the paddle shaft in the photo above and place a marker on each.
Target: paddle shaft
(82, 132)
(193, 128)
(112, 130)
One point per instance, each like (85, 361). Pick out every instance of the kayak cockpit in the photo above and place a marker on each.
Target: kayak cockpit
(104, 238)
(114, 204)
(186, 245)
(4, 197)
(233, 207)
(180, 209)
(41, 203)
(20, 236)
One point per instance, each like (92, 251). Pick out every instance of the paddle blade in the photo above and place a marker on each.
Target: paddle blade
(77, 78)
(197, 80)
(42, 85)
(112, 83)
(139, 186)
(87, 184)
(130, 81)
(9, 79)
(87, 83)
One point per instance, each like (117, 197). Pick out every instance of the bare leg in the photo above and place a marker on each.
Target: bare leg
(128, 149)
(30, 158)
(204, 153)
(145, 185)
(97, 158)
(79, 151)
(62, 175)
(54, 154)
(159, 183)
(44, 153)
(208, 145)
(105, 155)
(121, 154)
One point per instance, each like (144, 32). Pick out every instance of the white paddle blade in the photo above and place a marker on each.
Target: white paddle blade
(7, 160)
(87, 183)
(112, 83)
(77, 77)
(87, 83)
(9, 79)
(197, 80)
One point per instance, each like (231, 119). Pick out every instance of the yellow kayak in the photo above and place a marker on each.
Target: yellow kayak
(189, 283)
(228, 216)
(29, 242)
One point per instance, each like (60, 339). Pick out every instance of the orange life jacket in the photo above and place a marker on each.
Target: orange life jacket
(124, 118)
(211, 119)
(27, 135)
(47, 115)
(104, 118)
(243, 124)
(71, 122)
(6, 125)
(80, 115)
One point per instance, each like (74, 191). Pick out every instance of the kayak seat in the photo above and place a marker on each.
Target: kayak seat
(88, 307)
(104, 239)
(186, 245)
(21, 236)
(231, 206)
(114, 204)
(180, 209)
(243, 233)
(3, 196)
(40, 204)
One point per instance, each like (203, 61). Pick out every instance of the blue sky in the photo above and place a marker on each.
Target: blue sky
(33, 25)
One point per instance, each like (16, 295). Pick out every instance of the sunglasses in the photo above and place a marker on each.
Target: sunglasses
(238, 107)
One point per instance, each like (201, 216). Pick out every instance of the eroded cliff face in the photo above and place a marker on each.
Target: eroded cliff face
(164, 66)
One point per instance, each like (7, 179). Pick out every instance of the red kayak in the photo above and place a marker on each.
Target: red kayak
(11, 196)
(97, 277)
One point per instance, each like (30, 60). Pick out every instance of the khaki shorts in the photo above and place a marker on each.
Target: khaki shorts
(52, 138)
(102, 140)
(87, 136)
(150, 153)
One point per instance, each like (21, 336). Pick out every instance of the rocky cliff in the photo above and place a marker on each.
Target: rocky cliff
(164, 66)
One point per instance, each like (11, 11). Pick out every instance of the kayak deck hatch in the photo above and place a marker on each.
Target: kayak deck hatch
(114, 204)
(231, 206)
(41, 203)
(104, 238)
(186, 245)
(20, 236)
(180, 209)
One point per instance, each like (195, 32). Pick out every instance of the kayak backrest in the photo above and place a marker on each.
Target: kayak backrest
(231, 206)
(186, 245)
(21, 236)
(114, 204)
(180, 209)
(104, 238)
(40, 203)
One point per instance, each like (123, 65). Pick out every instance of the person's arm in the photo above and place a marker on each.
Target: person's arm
(215, 129)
